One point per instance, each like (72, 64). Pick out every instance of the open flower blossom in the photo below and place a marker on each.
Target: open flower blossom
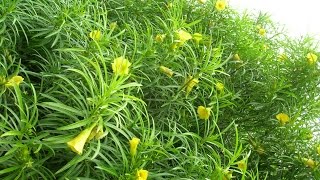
(220, 5)
(312, 58)
(76, 144)
(95, 35)
(134, 145)
(283, 118)
(160, 38)
(262, 32)
(142, 174)
(183, 36)
(197, 37)
(97, 133)
(120, 66)
(220, 86)
(15, 80)
(236, 57)
(309, 162)
(203, 112)
(166, 71)
(190, 83)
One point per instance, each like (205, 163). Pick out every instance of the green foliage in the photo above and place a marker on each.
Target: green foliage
(65, 51)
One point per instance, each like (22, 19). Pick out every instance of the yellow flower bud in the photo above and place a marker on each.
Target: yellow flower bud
(142, 174)
(95, 35)
(242, 165)
(190, 83)
(309, 162)
(197, 37)
(203, 112)
(220, 86)
(236, 57)
(15, 80)
(134, 145)
(262, 31)
(220, 5)
(312, 58)
(120, 66)
(202, 1)
(282, 57)
(160, 38)
(166, 71)
(76, 144)
(113, 25)
(283, 118)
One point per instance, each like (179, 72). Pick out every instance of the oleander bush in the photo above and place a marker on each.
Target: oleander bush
(137, 89)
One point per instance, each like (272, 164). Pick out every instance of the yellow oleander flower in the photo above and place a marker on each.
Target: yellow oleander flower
(95, 35)
(134, 145)
(15, 80)
(220, 86)
(242, 165)
(160, 38)
(166, 71)
(312, 58)
(202, 1)
(113, 25)
(183, 36)
(76, 144)
(227, 174)
(120, 66)
(142, 174)
(236, 57)
(309, 162)
(197, 37)
(203, 112)
(262, 31)
(283, 118)
(221, 5)
(282, 57)
(190, 83)
(97, 133)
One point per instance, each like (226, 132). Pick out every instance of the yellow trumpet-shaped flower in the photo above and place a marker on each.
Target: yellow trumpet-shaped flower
(120, 66)
(166, 71)
(283, 118)
(202, 1)
(190, 83)
(183, 36)
(220, 5)
(220, 86)
(197, 37)
(262, 31)
(309, 162)
(76, 144)
(160, 38)
(95, 35)
(203, 112)
(134, 145)
(142, 174)
(15, 80)
(236, 57)
(312, 58)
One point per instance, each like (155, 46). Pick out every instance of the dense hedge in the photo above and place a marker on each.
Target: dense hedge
(136, 89)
